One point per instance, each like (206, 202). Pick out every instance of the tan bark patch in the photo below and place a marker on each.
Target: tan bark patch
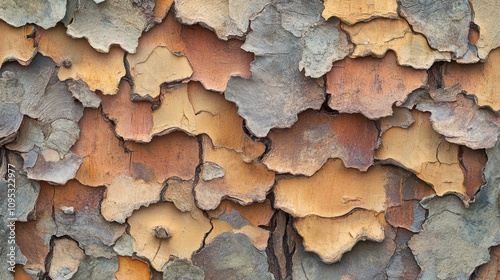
(187, 233)
(99, 70)
(352, 11)
(331, 238)
(421, 150)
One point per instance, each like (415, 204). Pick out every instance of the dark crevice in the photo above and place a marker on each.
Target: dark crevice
(326, 108)
(281, 247)
(197, 172)
(435, 76)
(113, 128)
(48, 259)
(264, 140)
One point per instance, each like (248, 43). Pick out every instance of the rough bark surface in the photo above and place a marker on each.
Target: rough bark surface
(236, 139)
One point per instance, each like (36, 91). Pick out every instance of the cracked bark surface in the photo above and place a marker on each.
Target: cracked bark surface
(163, 139)
(378, 36)
(42, 13)
(227, 18)
(240, 259)
(139, 161)
(352, 11)
(448, 214)
(318, 136)
(120, 23)
(279, 96)
(101, 71)
(16, 44)
(484, 17)
(426, 153)
(450, 29)
(364, 94)
(470, 77)
(331, 238)
(188, 230)
(243, 182)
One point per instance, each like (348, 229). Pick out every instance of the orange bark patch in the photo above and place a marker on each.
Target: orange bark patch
(133, 120)
(318, 136)
(129, 269)
(378, 84)
(214, 61)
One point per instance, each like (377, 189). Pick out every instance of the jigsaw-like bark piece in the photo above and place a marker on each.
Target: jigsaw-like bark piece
(232, 256)
(80, 61)
(243, 182)
(40, 12)
(15, 44)
(86, 225)
(80, 90)
(187, 231)
(129, 268)
(421, 150)
(174, 113)
(228, 18)
(133, 120)
(379, 84)
(119, 23)
(66, 257)
(318, 136)
(472, 79)
(401, 117)
(378, 36)
(352, 11)
(323, 44)
(298, 15)
(180, 193)
(485, 17)
(373, 256)
(331, 238)
(277, 91)
(449, 30)
(175, 154)
(463, 122)
(182, 269)
(214, 61)
(160, 66)
(333, 191)
(468, 231)
(124, 195)
(96, 268)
